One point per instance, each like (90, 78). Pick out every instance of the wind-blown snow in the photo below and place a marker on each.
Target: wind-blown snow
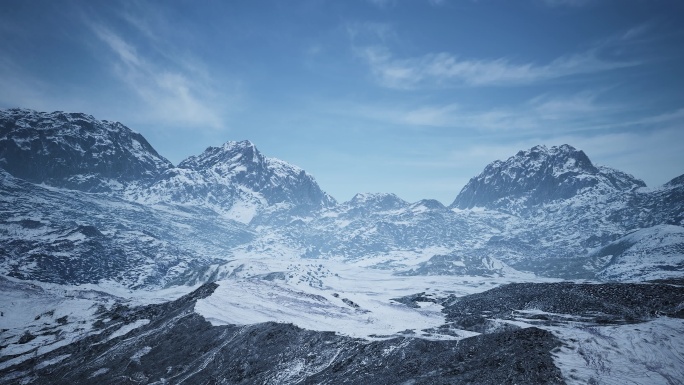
(645, 353)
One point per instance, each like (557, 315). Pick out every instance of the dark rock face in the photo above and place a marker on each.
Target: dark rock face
(179, 346)
(75, 151)
(610, 303)
(537, 176)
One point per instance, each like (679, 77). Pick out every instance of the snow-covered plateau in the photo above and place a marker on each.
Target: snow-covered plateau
(232, 267)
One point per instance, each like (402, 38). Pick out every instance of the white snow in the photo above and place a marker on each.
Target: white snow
(254, 301)
(311, 294)
(99, 372)
(651, 249)
(243, 211)
(644, 353)
(136, 357)
(125, 329)
(52, 361)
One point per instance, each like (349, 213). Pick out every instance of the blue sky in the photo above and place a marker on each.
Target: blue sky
(406, 96)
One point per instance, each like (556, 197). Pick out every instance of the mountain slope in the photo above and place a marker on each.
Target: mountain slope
(652, 253)
(75, 151)
(544, 210)
(560, 208)
(525, 333)
(71, 237)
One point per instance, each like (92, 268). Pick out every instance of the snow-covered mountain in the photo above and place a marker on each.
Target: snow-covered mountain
(557, 207)
(541, 175)
(75, 151)
(239, 182)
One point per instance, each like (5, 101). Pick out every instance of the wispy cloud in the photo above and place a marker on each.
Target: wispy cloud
(574, 113)
(444, 69)
(171, 93)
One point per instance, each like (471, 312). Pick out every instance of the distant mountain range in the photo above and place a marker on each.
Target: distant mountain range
(91, 200)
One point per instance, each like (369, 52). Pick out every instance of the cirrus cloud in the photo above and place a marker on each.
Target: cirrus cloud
(445, 69)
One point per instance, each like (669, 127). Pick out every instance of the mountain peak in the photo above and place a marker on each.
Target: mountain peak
(539, 175)
(239, 181)
(229, 156)
(560, 159)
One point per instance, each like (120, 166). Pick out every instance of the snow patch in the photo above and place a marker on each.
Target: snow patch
(125, 329)
(99, 372)
(52, 361)
(255, 301)
(136, 357)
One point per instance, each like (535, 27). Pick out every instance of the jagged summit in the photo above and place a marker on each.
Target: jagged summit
(230, 153)
(238, 181)
(556, 160)
(242, 164)
(540, 175)
(75, 150)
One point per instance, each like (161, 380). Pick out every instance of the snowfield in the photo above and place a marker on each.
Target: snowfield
(644, 353)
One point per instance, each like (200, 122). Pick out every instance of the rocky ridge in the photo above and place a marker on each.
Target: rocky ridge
(75, 151)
